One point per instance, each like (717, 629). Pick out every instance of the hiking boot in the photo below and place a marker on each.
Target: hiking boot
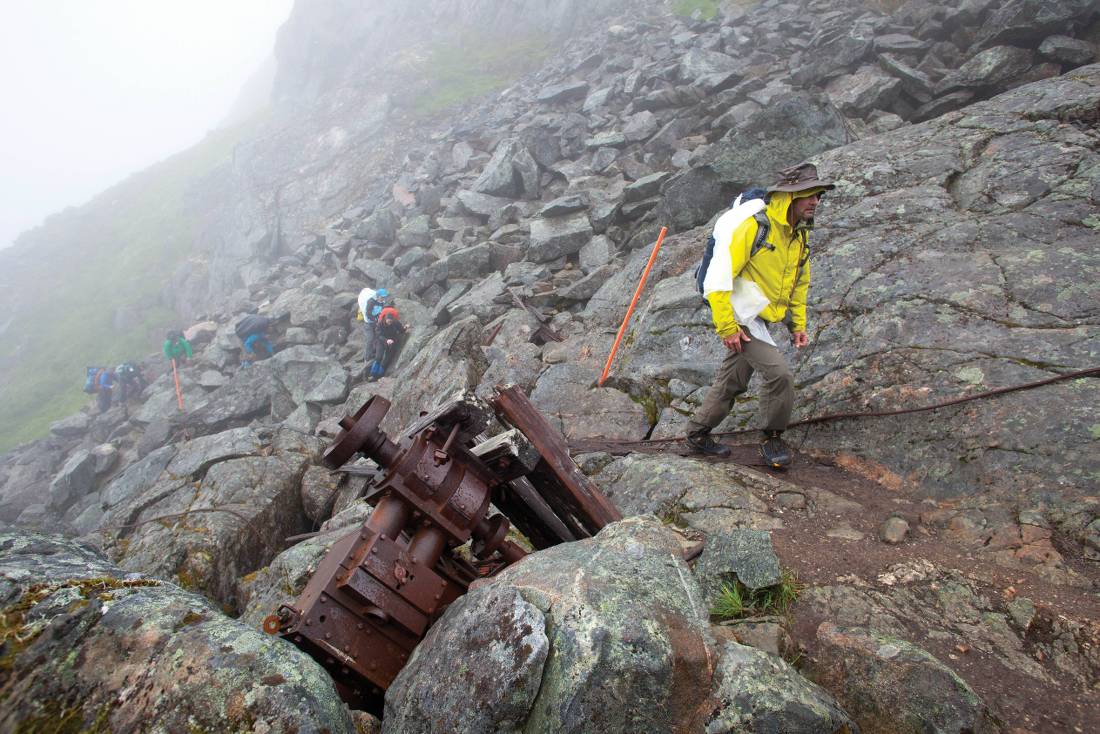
(704, 443)
(776, 452)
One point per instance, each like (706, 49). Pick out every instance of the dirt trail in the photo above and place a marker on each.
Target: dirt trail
(1022, 702)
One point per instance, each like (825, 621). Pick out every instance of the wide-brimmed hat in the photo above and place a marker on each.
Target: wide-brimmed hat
(800, 178)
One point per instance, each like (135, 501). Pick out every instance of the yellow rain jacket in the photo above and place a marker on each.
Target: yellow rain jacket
(782, 270)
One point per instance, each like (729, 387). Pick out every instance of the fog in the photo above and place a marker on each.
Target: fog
(94, 90)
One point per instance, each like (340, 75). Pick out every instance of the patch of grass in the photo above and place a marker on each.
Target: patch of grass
(886, 7)
(463, 70)
(674, 515)
(708, 8)
(736, 601)
(115, 254)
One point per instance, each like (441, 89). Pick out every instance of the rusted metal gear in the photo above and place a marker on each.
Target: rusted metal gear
(360, 432)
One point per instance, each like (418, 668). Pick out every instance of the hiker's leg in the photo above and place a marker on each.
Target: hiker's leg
(777, 391)
(730, 380)
(369, 337)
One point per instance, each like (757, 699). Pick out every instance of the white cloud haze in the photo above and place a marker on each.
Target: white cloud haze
(94, 90)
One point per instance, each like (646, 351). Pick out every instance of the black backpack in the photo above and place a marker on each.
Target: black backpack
(251, 324)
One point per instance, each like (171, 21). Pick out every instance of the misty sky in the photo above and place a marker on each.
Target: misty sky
(94, 90)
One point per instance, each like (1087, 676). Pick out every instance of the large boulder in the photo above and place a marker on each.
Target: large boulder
(553, 238)
(792, 128)
(193, 458)
(758, 692)
(713, 498)
(76, 479)
(450, 362)
(1027, 22)
(510, 173)
(90, 648)
(607, 634)
(26, 480)
(567, 395)
(888, 684)
(995, 67)
(254, 392)
(310, 375)
(553, 645)
(209, 534)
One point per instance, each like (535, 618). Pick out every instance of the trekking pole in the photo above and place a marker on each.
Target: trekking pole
(633, 303)
(176, 377)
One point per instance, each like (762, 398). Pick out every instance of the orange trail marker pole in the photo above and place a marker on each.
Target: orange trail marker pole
(633, 303)
(176, 377)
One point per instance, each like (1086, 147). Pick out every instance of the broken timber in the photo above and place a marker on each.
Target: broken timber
(379, 588)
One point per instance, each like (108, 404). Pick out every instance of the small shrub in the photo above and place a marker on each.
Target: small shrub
(736, 601)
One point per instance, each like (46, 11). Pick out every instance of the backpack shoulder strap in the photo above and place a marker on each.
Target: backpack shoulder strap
(763, 226)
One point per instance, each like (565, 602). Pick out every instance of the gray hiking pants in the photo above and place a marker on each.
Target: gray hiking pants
(732, 378)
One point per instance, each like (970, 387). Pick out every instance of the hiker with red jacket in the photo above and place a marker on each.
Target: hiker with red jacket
(389, 334)
(749, 289)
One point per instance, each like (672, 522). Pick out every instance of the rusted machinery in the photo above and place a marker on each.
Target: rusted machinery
(380, 588)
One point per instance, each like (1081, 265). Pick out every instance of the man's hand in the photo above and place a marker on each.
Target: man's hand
(733, 341)
(800, 339)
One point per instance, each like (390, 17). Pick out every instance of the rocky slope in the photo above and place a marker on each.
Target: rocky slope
(953, 257)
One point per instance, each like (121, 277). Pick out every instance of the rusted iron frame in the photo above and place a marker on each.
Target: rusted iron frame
(556, 473)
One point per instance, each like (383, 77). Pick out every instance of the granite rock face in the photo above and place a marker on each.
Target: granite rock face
(87, 631)
(608, 633)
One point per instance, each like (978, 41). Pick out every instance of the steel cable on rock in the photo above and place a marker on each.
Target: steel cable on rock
(1089, 372)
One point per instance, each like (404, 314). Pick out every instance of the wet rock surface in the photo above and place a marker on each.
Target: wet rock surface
(949, 260)
(83, 630)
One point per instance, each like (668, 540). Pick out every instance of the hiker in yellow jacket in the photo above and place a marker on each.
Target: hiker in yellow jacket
(762, 288)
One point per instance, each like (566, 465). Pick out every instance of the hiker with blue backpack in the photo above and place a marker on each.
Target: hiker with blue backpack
(755, 273)
(252, 331)
(371, 302)
(100, 381)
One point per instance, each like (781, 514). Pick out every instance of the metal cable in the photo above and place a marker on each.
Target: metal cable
(1090, 372)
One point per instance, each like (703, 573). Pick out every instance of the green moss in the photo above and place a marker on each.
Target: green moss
(16, 633)
(674, 515)
(53, 717)
(650, 406)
